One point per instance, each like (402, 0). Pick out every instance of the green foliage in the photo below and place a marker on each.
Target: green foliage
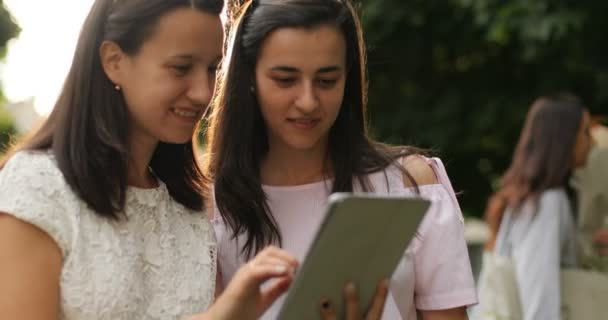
(8, 30)
(458, 76)
(7, 129)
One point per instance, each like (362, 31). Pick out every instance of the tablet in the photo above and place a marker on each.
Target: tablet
(362, 239)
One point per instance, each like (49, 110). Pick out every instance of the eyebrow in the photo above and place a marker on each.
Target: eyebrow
(182, 56)
(216, 60)
(327, 69)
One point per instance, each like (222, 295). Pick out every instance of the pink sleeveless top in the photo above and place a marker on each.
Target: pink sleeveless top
(435, 272)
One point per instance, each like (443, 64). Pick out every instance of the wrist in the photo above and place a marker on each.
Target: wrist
(201, 316)
(490, 243)
(209, 314)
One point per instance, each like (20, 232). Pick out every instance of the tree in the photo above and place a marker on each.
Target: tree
(458, 76)
(8, 30)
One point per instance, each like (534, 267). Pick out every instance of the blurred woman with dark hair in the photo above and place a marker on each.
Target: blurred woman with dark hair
(538, 225)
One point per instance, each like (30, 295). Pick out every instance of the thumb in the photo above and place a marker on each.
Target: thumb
(253, 275)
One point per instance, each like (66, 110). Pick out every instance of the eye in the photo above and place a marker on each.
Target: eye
(284, 81)
(181, 69)
(327, 83)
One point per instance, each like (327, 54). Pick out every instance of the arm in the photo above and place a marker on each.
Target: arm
(245, 299)
(449, 314)
(493, 216)
(593, 202)
(600, 239)
(30, 268)
(444, 280)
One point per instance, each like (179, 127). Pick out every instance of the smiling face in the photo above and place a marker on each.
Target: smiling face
(300, 76)
(168, 83)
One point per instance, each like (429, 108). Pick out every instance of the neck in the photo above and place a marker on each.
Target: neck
(289, 167)
(140, 155)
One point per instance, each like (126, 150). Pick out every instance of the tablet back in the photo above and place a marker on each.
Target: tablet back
(362, 239)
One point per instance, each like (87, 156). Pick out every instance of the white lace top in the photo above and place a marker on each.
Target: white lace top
(157, 264)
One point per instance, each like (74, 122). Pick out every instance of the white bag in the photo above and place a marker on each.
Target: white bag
(584, 293)
(498, 292)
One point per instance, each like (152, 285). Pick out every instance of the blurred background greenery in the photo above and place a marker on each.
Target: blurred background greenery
(457, 76)
(8, 30)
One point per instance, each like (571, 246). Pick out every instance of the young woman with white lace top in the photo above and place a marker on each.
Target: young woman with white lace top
(101, 209)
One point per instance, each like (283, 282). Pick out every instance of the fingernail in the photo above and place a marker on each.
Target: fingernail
(281, 269)
(385, 284)
(350, 288)
(325, 304)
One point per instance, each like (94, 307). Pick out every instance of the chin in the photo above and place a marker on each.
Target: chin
(175, 139)
(303, 145)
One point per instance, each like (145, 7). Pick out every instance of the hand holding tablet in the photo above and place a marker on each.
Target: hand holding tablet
(361, 240)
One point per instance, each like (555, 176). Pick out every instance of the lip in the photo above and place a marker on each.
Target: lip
(304, 123)
(188, 115)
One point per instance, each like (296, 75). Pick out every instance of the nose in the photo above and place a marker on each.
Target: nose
(201, 88)
(307, 100)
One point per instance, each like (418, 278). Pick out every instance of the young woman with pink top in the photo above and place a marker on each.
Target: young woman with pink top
(288, 128)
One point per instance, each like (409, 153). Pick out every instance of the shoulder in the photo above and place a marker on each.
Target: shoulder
(34, 191)
(597, 159)
(34, 164)
(419, 167)
(33, 173)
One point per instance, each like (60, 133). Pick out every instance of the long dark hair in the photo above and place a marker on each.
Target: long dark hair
(87, 130)
(544, 154)
(237, 138)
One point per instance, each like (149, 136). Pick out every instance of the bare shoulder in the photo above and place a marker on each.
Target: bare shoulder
(420, 170)
(30, 269)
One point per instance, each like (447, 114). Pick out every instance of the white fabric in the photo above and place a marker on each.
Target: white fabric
(498, 292)
(540, 240)
(158, 264)
(522, 279)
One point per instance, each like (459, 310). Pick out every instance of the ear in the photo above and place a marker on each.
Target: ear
(112, 60)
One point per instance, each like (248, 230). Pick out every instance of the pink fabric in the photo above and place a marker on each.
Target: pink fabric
(435, 272)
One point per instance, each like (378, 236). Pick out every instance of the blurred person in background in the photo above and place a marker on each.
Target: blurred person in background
(591, 183)
(532, 214)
